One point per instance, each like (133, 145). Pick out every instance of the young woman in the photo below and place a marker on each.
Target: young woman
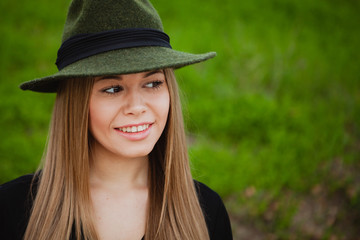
(116, 163)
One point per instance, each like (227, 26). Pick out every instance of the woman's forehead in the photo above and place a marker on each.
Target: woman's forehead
(130, 75)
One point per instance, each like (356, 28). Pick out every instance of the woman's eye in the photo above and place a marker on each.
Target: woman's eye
(154, 84)
(114, 89)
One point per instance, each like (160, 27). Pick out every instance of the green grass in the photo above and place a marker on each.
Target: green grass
(279, 102)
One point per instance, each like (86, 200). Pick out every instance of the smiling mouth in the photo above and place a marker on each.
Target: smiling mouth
(134, 129)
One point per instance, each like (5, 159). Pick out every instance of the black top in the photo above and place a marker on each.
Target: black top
(15, 205)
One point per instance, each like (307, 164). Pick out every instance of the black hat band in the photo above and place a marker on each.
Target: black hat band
(85, 45)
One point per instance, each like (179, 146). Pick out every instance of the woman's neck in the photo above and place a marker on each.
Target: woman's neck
(109, 171)
(119, 194)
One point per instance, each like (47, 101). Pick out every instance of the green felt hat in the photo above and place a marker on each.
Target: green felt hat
(107, 37)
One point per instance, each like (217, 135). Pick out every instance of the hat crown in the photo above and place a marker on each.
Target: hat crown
(92, 16)
(111, 37)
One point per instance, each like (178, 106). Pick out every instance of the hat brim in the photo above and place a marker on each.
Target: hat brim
(122, 61)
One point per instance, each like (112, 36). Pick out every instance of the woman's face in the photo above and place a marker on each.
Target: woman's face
(128, 113)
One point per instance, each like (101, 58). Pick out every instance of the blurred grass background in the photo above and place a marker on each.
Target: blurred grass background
(273, 120)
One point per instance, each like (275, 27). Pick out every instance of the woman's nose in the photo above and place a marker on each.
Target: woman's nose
(134, 103)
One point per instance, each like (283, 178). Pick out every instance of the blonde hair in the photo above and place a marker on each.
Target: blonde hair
(63, 203)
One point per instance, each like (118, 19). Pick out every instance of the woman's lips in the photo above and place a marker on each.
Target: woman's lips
(135, 132)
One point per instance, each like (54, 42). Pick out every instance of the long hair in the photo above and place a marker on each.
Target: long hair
(62, 205)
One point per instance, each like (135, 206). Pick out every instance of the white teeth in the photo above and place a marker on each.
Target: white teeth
(135, 129)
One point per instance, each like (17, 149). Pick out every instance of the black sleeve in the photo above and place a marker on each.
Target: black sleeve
(222, 228)
(216, 216)
(14, 207)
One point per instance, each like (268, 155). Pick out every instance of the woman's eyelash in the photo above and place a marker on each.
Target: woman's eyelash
(112, 89)
(154, 84)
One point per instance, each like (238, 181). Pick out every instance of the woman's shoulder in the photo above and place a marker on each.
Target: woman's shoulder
(18, 182)
(216, 216)
(16, 188)
(206, 195)
(16, 195)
